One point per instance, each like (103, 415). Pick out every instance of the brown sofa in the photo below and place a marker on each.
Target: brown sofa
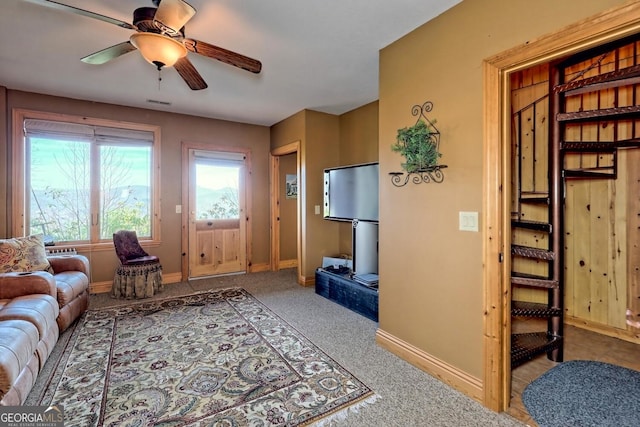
(71, 273)
(34, 308)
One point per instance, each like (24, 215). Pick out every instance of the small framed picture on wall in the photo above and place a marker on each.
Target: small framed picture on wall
(291, 183)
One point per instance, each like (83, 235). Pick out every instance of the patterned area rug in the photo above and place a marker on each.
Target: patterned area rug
(217, 358)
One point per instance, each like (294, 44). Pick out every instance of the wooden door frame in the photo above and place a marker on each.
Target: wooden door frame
(186, 181)
(274, 167)
(605, 27)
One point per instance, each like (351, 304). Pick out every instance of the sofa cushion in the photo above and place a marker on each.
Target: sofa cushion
(23, 254)
(61, 263)
(18, 343)
(69, 285)
(70, 312)
(40, 310)
(26, 283)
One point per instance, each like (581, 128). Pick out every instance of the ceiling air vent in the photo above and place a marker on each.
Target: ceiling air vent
(155, 101)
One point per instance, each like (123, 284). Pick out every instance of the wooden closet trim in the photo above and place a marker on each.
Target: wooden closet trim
(605, 27)
(274, 167)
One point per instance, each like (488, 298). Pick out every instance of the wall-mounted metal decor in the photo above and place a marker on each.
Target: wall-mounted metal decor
(419, 144)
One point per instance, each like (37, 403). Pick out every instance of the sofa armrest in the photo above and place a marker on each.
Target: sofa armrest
(19, 284)
(61, 263)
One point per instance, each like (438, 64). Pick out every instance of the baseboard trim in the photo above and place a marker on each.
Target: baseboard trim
(460, 380)
(307, 281)
(607, 330)
(104, 287)
(258, 268)
(171, 277)
(288, 263)
(100, 287)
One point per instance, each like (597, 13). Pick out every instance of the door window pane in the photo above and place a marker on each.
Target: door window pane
(217, 191)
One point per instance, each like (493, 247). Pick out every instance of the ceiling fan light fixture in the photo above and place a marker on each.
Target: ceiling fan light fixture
(159, 50)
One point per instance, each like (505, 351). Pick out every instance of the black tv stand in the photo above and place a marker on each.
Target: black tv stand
(345, 291)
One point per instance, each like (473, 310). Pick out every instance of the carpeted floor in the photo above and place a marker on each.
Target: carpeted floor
(406, 395)
(583, 393)
(211, 358)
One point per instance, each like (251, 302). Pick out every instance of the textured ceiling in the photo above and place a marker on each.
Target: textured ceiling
(319, 55)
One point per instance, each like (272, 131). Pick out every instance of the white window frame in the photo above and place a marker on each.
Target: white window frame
(19, 169)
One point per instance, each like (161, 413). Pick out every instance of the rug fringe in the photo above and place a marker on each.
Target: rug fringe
(342, 414)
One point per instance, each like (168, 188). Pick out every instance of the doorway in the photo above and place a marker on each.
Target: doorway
(216, 213)
(608, 26)
(597, 216)
(286, 236)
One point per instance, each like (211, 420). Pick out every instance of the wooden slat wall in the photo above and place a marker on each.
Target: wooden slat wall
(633, 230)
(602, 216)
(620, 244)
(628, 129)
(596, 250)
(530, 98)
(596, 273)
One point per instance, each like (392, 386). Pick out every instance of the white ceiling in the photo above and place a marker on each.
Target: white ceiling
(315, 54)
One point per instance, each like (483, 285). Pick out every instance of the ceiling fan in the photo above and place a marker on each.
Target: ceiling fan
(161, 40)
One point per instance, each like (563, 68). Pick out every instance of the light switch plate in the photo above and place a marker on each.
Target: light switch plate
(178, 208)
(469, 221)
(317, 209)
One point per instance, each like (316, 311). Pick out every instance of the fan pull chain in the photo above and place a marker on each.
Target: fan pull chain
(159, 78)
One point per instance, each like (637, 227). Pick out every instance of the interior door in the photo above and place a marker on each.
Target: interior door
(217, 230)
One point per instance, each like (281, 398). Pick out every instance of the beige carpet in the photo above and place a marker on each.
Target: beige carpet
(406, 396)
(214, 358)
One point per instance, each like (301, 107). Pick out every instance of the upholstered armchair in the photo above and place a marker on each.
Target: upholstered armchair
(129, 251)
(139, 274)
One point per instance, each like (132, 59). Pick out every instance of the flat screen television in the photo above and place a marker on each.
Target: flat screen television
(351, 192)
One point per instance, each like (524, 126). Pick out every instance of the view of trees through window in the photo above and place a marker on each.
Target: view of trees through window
(217, 191)
(82, 187)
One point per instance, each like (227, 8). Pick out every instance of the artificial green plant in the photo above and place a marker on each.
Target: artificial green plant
(418, 145)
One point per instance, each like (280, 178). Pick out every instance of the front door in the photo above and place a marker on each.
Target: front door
(217, 231)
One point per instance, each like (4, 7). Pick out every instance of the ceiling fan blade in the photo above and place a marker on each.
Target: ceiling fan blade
(172, 15)
(78, 11)
(189, 74)
(224, 55)
(109, 53)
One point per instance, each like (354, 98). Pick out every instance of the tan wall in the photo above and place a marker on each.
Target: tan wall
(326, 141)
(4, 161)
(430, 272)
(320, 151)
(175, 128)
(288, 131)
(358, 144)
(288, 211)
(359, 135)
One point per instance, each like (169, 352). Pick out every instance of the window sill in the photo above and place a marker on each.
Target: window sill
(99, 247)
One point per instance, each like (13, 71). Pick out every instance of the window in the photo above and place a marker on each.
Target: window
(84, 179)
(217, 177)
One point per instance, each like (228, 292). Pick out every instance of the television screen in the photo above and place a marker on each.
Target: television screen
(351, 192)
